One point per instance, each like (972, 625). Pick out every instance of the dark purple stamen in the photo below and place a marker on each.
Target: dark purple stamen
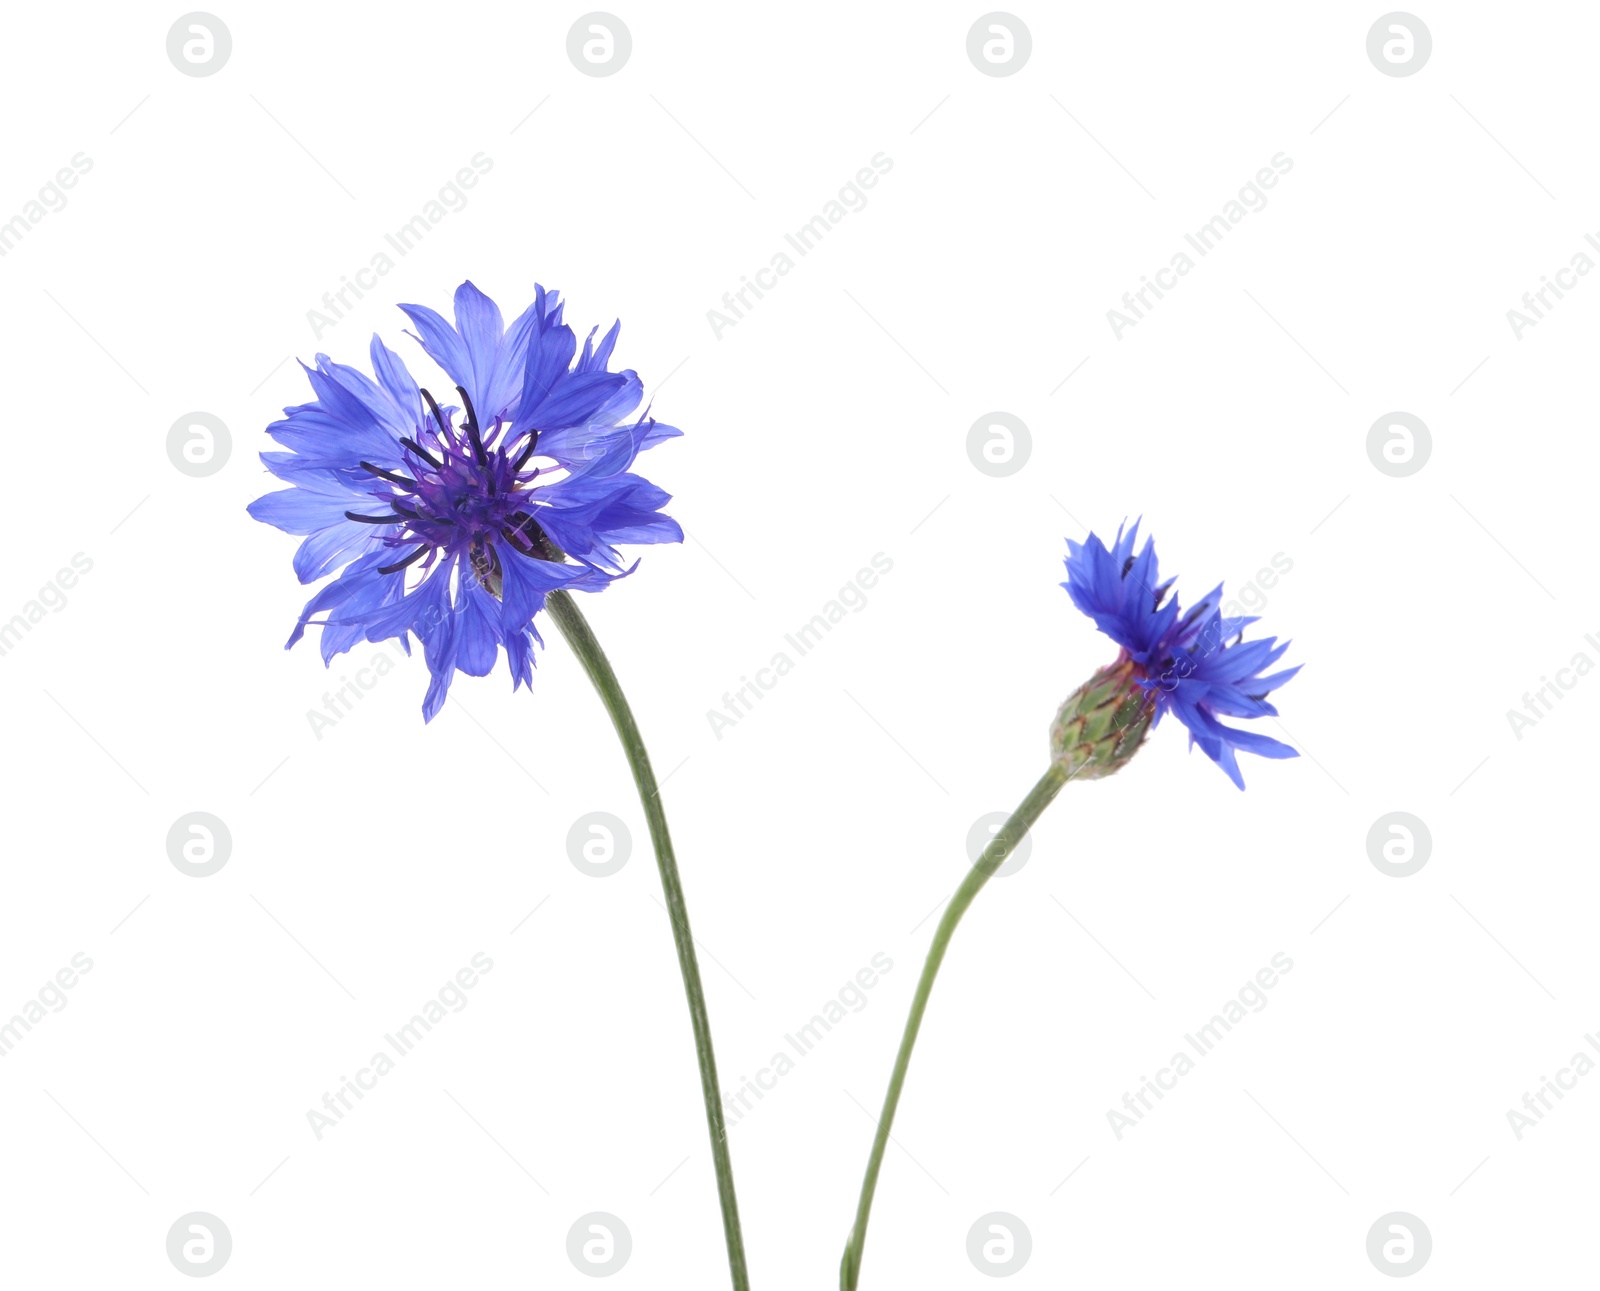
(438, 416)
(415, 556)
(411, 514)
(382, 474)
(472, 431)
(468, 482)
(423, 453)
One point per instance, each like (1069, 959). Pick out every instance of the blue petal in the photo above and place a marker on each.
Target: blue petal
(438, 624)
(300, 510)
(524, 584)
(397, 382)
(480, 630)
(440, 341)
(324, 551)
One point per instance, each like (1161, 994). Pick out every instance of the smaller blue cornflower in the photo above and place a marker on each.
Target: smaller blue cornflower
(1195, 665)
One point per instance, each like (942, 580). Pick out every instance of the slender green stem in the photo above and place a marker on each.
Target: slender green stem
(994, 856)
(576, 630)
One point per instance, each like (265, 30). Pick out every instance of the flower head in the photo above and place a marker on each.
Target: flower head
(1195, 665)
(453, 522)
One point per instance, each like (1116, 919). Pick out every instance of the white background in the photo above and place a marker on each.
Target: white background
(828, 425)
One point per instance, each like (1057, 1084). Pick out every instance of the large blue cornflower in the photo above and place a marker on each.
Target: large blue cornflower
(453, 523)
(1197, 666)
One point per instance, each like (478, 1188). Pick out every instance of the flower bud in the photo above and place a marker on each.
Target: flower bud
(1102, 724)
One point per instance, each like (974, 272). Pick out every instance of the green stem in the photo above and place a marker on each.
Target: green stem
(575, 628)
(994, 856)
